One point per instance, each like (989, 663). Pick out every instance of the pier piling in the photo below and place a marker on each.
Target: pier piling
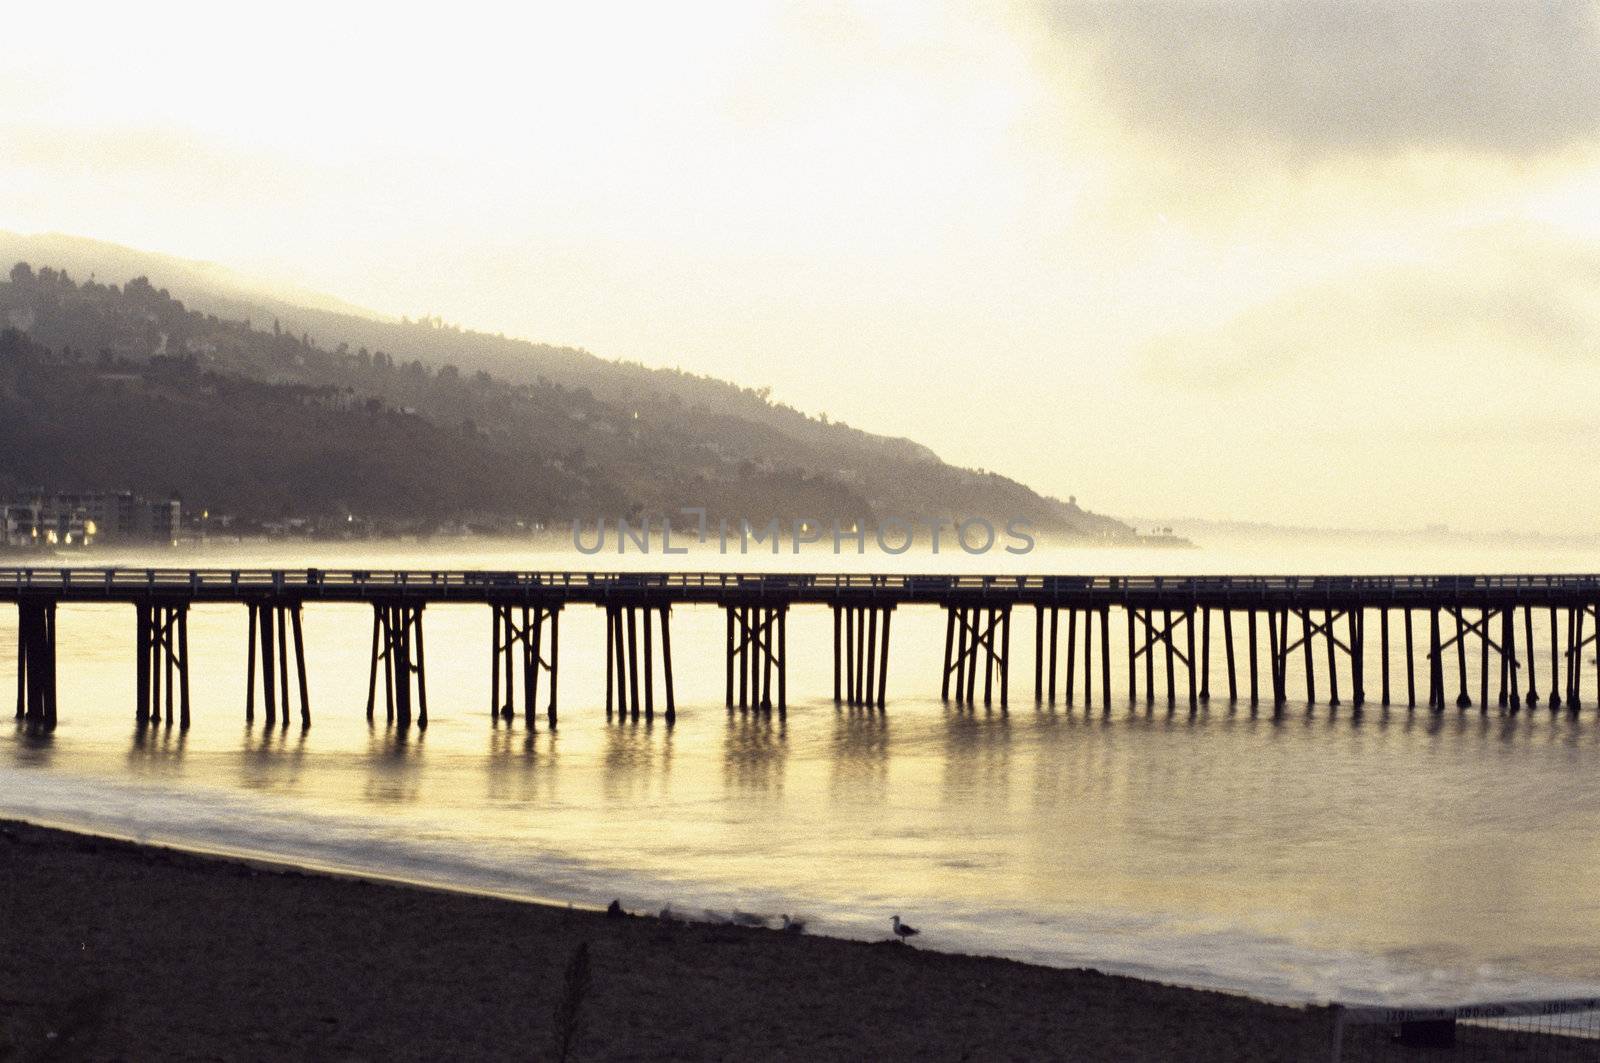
(398, 650)
(1532, 698)
(626, 631)
(1277, 638)
(1328, 617)
(864, 660)
(1383, 651)
(36, 663)
(1071, 685)
(519, 633)
(1357, 619)
(757, 643)
(271, 624)
(1133, 657)
(162, 649)
(1227, 641)
(1255, 691)
(1105, 659)
(984, 631)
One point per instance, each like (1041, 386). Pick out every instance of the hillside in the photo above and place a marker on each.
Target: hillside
(282, 409)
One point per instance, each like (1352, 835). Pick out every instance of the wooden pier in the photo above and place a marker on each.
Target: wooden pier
(1263, 640)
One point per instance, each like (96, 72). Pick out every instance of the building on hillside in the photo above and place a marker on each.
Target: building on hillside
(40, 520)
(19, 524)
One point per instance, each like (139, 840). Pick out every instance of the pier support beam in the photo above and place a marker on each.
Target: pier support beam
(1435, 663)
(162, 654)
(758, 650)
(861, 654)
(36, 663)
(397, 647)
(1255, 688)
(520, 632)
(1277, 638)
(623, 646)
(1227, 642)
(1533, 654)
(1574, 659)
(1048, 645)
(973, 634)
(1105, 658)
(1153, 636)
(1353, 648)
(1555, 662)
(1358, 656)
(1383, 650)
(1411, 665)
(1577, 618)
(1495, 630)
(275, 625)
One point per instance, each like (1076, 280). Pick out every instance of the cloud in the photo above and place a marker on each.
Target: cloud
(1491, 302)
(1367, 78)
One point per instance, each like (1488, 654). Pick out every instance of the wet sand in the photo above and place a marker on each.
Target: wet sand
(120, 951)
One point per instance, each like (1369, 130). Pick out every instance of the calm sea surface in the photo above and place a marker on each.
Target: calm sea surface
(1397, 856)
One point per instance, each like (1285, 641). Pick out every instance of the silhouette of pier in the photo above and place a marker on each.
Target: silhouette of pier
(1256, 633)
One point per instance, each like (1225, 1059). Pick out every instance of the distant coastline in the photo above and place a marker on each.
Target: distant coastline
(1211, 530)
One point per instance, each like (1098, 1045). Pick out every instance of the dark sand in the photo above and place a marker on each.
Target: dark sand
(110, 950)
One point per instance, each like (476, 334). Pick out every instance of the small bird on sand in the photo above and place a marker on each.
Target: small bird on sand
(614, 910)
(793, 926)
(902, 930)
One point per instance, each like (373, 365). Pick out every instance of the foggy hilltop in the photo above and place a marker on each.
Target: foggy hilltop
(185, 379)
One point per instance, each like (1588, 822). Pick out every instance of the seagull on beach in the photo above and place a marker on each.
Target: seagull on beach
(793, 926)
(903, 930)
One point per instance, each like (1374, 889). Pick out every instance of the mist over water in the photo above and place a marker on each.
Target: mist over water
(1398, 855)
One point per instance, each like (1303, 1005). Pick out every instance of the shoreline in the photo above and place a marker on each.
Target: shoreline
(124, 949)
(266, 862)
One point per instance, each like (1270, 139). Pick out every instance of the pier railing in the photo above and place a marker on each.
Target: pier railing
(121, 583)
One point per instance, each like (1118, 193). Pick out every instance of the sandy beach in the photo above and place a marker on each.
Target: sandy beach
(121, 951)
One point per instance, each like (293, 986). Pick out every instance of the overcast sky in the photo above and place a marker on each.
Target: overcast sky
(1331, 263)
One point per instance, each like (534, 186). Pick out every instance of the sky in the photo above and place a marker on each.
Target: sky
(1304, 262)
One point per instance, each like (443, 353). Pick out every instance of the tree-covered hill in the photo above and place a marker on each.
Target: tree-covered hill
(285, 410)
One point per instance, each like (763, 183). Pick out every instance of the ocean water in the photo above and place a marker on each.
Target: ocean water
(1395, 856)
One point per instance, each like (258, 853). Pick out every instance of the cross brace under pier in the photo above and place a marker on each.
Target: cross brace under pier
(757, 649)
(971, 633)
(520, 631)
(1150, 631)
(162, 648)
(397, 647)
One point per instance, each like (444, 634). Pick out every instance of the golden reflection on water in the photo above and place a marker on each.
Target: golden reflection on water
(754, 755)
(272, 757)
